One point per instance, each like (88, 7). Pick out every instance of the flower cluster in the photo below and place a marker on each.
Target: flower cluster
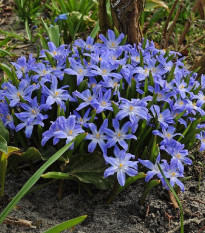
(133, 101)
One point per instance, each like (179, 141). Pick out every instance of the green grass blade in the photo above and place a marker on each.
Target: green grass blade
(4, 52)
(65, 225)
(95, 30)
(28, 31)
(177, 199)
(32, 181)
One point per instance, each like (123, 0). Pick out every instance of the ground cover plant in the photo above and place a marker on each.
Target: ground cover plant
(116, 96)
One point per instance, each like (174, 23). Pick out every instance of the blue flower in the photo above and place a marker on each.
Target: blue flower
(13, 94)
(121, 165)
(103, 102)
(119, 135)
(153, 167)
(83, 120)
(201, 137)
(135, 109)
(112, 42)
(171, 172)
(55, 127)
(105, 70)
(33, 111)
(55, 94)
(5, 114)
(167, 134)
(97, 137)
(69, 129)
(61, 17)
(86, 96)
(78, 70)
(165, 118)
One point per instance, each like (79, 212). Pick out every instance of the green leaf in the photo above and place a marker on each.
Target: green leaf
(151, 4)
(95, 30)
(65, 225)
(32, 181)
(28, 31)
(3, 131)
(6, 69)
(54, 35)
(32, 154)
(57, 175)
(3, 145)
(5, 41)
(4, 52)
(89, 168)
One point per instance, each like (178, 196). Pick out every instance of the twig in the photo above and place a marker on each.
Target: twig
(173, 200)
(18, 222)
(195, 220)
(188, 22)
(173, 24)
(186, 29)
(195, 41)
(192, 199)
(168, 19)
(147, 211)
(201, 229)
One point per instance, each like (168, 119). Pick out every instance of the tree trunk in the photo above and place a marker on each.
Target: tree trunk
(126, 16)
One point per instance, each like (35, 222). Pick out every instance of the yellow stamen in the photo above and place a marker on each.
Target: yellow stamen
(89, 46)
(18, 94)
(120, 165)
(33, 111)
(113, 44)
(173, 173)
(70, 132)
(8, 117)
(90, 98)
(168, 135)
(119, 135)
(103, 103)
(80, 71)
(55, 53)
(44, 71)
(160, 96)
(100, 59)
(97, 135)
(131, 108)
(178, 156)
(104, 71)
(56, 93)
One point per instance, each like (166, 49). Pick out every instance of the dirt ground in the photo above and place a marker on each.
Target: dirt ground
(124, 215)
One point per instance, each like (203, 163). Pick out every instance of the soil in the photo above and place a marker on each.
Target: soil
(44, 209)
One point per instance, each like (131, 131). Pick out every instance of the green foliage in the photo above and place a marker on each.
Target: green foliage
(81, 17)
(28, 10)
(65, 225)
(86, 168)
